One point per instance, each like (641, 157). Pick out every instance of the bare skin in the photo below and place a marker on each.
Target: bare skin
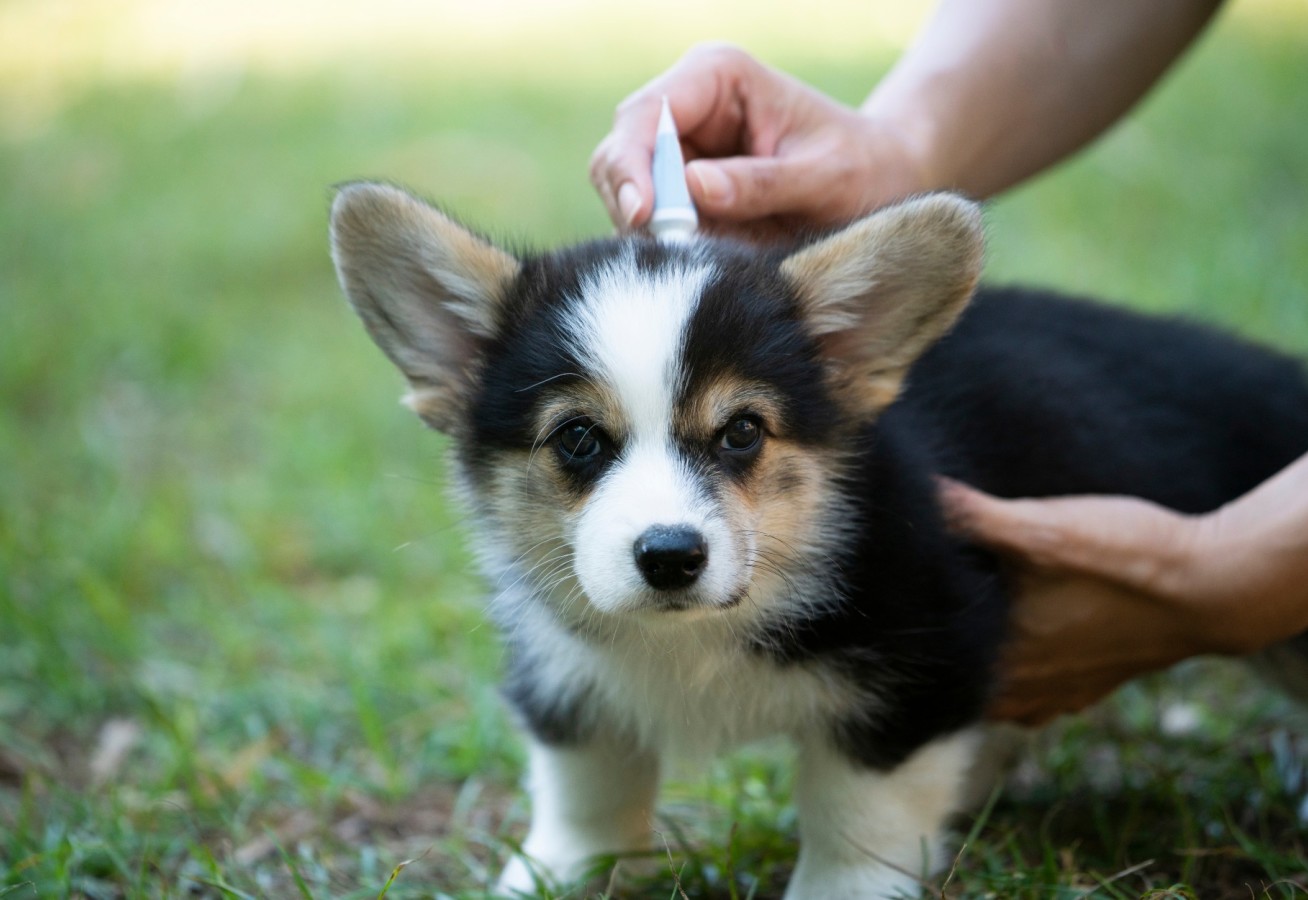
(765, 151)
(1114, 587)
(991, 93)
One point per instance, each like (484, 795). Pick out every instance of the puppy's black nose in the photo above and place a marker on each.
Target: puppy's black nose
(670, 556)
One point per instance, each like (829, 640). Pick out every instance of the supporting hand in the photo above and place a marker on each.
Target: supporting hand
(1114, 587)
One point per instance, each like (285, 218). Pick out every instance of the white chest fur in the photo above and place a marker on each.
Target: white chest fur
(688, 688)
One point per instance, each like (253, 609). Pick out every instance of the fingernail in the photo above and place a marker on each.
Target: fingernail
(710, 184)
(629, 202)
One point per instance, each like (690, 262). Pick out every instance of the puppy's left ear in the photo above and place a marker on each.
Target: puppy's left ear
(881, 291)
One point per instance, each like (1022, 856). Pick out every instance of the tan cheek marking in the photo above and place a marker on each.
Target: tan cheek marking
(785, 491)
(786, 477)
(790, 491)
(533, 505)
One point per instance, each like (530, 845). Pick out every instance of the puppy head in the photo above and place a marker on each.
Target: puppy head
(654, 431)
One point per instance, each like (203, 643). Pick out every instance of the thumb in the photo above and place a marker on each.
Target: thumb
(740, 188)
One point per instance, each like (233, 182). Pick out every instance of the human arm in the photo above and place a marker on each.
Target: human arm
(990, 93)
(994, 92)
(1114, 587)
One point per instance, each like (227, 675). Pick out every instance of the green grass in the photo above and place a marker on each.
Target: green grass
(224, 545)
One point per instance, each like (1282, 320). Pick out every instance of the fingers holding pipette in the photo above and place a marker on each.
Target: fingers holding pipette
(764, 150)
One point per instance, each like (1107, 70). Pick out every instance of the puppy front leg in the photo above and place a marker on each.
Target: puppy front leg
(589, 799)
(866, 833)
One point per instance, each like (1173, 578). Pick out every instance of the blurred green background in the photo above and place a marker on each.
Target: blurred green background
(241, 647)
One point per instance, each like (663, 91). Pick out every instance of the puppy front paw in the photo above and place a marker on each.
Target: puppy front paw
(847, 881)
(522, 877)
(553, 865)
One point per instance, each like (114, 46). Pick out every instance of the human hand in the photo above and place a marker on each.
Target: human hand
(1110, 588)
(1096, 595)
(766, 152)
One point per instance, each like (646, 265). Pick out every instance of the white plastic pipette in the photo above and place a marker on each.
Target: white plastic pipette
(674, 217)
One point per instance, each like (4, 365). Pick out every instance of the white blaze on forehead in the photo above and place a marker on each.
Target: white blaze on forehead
(630, 326)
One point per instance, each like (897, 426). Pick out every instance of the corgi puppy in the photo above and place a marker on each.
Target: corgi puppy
(702, 482)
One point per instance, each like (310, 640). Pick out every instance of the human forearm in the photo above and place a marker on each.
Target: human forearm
(993, 92)
(1248, 564)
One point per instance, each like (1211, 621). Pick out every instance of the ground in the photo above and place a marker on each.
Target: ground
(241, 644)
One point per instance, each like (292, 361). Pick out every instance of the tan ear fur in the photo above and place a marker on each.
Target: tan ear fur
(428, 291)
(881, 291)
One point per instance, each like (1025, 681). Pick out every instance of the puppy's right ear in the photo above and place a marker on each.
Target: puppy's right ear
(882, 290)
(428, 291)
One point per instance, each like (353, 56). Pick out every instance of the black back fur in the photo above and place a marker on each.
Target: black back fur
(1031, 395)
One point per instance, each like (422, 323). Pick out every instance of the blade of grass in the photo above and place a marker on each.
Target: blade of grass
(226, 888)
(395, 873)
(295, 873)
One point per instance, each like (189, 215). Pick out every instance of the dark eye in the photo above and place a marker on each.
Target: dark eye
(741, 435)
(580, 440)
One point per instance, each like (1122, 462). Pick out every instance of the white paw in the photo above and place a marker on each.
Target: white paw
(867, 881)
(517, 878)
(550, 864)
(522, 876)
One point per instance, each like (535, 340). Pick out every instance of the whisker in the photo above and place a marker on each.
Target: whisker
(577, 375)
